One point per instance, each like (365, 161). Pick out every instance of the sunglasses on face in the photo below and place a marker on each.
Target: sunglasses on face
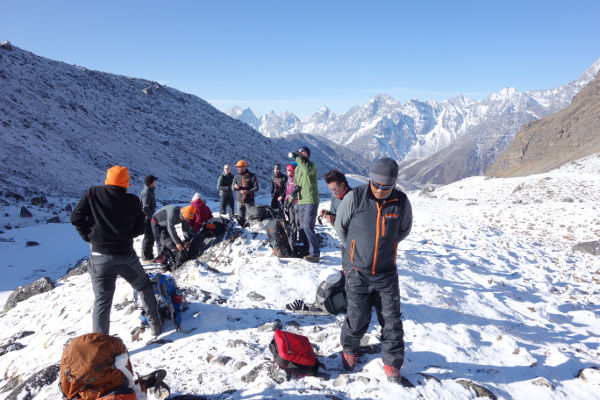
(382, 187)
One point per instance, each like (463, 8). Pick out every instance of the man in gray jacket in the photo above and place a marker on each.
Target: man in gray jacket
(225, 188)
(165, 233)
(370, 222)
(148, 201)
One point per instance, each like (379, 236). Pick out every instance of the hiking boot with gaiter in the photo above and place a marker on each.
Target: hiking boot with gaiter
(349, 361)
(392, 373)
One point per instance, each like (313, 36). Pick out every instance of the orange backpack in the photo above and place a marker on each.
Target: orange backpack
(87, 367)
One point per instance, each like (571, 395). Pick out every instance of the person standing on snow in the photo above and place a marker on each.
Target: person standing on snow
(225, 188)
(278, 187)
(245, 185)
(370, 222)
(109, 218)
(148, 202)
(308, 200)
(291, 208)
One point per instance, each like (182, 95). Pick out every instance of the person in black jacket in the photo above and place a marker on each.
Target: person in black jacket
(278, 187)
(225, 188)
(109, 218)
(245, 185)
(148, 202)
(370, 222)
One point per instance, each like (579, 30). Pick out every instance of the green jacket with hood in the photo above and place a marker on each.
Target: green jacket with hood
(305, 176)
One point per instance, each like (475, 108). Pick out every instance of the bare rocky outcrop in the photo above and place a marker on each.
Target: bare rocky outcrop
(550, 142)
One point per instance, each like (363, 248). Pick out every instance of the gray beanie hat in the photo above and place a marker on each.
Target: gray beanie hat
(385, 171)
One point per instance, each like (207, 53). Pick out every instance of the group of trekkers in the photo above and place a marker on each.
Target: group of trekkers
(369, 220)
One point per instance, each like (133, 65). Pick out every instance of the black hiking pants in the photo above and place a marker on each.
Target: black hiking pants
(363, 292)
(104, 269)
(227, 203)
(148, 241)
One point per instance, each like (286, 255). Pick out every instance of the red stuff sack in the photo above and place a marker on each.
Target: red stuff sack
(294, 353)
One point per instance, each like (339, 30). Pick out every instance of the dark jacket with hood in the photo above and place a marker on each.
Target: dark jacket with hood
(278, 184)
(109, 218)
(225, 185)
(148, 201)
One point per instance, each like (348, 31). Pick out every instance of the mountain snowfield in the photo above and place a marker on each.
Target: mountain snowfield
(492, 293)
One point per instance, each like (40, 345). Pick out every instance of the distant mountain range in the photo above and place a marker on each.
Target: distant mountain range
(437, 142)
(62, 126)
(545, 144)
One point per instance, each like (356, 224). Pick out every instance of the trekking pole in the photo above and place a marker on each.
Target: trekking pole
(235, 235)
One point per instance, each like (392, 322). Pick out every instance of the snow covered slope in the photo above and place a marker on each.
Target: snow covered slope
(493, 294)
(62, 126)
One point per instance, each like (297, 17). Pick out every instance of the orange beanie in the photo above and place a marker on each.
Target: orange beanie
(188, 212)
(118, 176)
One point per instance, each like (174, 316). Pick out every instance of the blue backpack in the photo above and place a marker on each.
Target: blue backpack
(168, 298)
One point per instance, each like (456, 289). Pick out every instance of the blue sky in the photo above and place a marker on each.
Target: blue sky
(302, 55)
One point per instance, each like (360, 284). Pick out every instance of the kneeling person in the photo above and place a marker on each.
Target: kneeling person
(165, 234)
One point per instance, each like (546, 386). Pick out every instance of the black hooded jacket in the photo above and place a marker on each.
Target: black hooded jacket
(109, 218)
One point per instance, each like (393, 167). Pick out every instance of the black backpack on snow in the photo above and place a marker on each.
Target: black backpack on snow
(331, 295)
(259, 212)
(279, 239)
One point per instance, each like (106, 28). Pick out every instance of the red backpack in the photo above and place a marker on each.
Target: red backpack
(294, 353)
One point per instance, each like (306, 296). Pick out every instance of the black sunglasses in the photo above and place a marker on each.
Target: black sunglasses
(382, 187)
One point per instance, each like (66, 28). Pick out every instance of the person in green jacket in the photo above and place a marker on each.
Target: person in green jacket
(307, 193)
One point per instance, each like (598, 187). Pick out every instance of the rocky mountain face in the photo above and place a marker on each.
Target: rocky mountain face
(549, 142)
(62, 126)
(439, 142)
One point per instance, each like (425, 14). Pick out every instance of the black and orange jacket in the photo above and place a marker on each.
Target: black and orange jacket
(370, 229)
(246, 181)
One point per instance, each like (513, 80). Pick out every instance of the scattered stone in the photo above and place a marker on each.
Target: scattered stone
(292, 324)
(568, 200)
(591, 374)
(363, 379)
(53, 220)
(479, 390)
(222, 360)
(343, 379)
(21, 293)
(68, 208)
(6, 45)
(25, 213)
(592, 248)
(32, 385)
(239, 365)
(31, 243)
(541, 381)
(200, 379)
(255, 296)
(321, 338)
(276, 373)
(21, 335)
(80, 268)
(11, 383)
(7, 348)
(427, 191)
(270, 326)
(236, 343)
(253, 374)
(39, 201)
(148, 90)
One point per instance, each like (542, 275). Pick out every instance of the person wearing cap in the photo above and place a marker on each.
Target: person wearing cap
(203, 213)
(148, 202)
(307, 193)
(109, 218)
(245, 185)
(225, 188)
(278, 187)
(370, 222)
(165, 234)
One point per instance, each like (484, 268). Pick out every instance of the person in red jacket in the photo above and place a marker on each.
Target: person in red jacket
(203, 213)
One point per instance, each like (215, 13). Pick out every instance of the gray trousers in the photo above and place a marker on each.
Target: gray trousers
(307, 216)
(104, 270)
(363, 293)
